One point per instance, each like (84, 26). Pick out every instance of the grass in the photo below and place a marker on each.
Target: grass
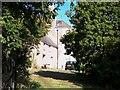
(54, 78)
(53, 83)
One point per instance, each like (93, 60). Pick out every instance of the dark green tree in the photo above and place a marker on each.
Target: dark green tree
(95, 42)
(23, 25)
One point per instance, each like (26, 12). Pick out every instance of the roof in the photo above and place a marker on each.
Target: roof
(61, 23)
(48, 41)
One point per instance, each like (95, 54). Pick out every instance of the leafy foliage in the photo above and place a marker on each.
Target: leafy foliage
(28, 84)
(22, 27)
(95, 42)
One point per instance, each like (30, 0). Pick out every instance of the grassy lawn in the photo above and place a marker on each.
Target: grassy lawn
(58, 79)
(53, 83)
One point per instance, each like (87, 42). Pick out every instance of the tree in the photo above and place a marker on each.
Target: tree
(95, 38)
(22, 27)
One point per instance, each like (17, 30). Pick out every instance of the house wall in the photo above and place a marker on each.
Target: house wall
(62, 58)
(48, 54)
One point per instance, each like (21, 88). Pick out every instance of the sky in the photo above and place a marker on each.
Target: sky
(62, 11)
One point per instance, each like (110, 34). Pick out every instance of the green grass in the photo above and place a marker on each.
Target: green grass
(50, 82)
(47, 82)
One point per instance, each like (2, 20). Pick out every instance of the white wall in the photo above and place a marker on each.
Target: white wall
(51, 52)
(49, 58)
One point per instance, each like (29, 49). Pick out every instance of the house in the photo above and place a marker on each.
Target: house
(50, 51)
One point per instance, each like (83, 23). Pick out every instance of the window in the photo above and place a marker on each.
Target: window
(44, 55)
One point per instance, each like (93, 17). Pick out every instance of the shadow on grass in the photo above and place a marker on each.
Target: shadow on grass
(77, 79)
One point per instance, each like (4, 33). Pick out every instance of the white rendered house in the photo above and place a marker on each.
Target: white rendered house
(51, 50)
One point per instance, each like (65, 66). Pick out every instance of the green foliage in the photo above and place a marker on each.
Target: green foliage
(22, 27)
(30, 85)
(95, 40)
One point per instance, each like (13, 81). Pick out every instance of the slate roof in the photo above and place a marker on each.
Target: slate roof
(48, 41)
(61, 23)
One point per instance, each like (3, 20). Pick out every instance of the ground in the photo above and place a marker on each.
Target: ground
(51, 78)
